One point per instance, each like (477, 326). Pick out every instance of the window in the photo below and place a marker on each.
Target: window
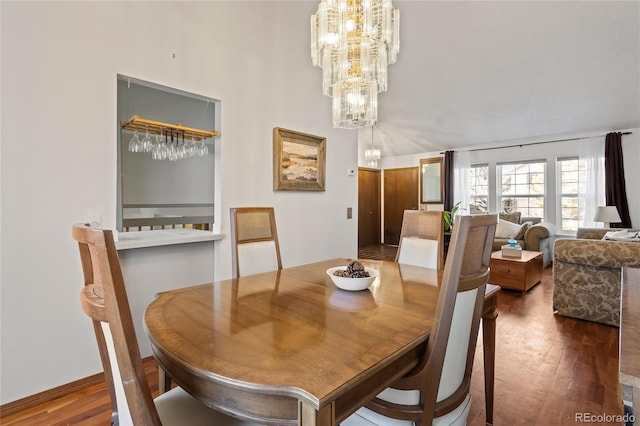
(479, 189)
(522, 187)
(572, 180)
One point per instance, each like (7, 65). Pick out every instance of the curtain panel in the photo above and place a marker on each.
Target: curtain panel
(615, 187)
(462, 188)
(592, 153)
(448, 181)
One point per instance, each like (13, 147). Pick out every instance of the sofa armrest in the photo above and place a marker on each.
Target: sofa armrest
(597, 233)
(532, 219)
(535, 233)
(591, 233)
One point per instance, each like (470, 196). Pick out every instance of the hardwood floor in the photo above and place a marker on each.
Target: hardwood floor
(548, 370)
(378, 252)
(89, 407)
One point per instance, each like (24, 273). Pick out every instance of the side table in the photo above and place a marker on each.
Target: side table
(516, 273)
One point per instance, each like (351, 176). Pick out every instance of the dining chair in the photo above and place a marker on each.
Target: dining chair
(254, 240)
(104, 300)
(422, 239)
(436, 391)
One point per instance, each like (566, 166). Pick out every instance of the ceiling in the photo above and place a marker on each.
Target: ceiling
(475, 73)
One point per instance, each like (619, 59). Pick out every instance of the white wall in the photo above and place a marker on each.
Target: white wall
(549, 152)
(59, 66)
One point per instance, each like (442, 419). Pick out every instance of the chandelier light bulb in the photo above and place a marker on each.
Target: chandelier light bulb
(331, 38)
(355, 100)
(351, 25)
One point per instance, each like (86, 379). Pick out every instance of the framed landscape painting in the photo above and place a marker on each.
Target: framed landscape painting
(298, 161)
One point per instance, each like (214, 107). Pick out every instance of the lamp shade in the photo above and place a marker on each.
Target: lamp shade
(607, 214)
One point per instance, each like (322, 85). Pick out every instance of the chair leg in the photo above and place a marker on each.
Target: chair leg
(489, 346)
(164, 381)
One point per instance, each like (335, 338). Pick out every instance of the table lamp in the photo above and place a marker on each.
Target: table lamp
(607, 214)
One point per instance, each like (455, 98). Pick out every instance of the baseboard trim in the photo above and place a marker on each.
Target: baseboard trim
(51, 394)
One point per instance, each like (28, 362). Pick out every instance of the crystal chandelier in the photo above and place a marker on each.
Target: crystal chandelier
(372, 155)
(353, 41)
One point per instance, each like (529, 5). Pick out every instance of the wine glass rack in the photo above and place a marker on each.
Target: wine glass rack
(143, 125)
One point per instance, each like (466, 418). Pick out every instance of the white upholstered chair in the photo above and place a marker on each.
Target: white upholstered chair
(422, 239)
(254, 240)
(437, 390)
(104, 300)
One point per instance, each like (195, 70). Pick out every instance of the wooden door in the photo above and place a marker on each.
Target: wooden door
(400, 194)
(369, 183)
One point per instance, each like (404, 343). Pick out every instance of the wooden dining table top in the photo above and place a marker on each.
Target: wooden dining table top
(292, 333)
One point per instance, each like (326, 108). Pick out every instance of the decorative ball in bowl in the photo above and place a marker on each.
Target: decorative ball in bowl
(353, 277)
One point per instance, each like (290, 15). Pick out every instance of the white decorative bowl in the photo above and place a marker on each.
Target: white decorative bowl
(352, 284)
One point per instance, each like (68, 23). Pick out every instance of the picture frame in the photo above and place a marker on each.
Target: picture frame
(299, 161)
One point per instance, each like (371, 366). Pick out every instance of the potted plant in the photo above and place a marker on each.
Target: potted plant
(449, 216)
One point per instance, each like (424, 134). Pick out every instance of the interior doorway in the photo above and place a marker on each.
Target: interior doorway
(400, 194)
(369, 206)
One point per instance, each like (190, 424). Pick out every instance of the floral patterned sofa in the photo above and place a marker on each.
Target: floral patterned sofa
(586, 275)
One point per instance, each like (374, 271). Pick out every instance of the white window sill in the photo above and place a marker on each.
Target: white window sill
(165, 237)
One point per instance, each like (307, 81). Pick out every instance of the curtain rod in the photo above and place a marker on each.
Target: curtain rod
(538, 143)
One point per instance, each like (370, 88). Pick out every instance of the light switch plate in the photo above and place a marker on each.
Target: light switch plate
(93, 217)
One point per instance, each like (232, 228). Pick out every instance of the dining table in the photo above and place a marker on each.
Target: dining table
(288, 347)
(629, 340)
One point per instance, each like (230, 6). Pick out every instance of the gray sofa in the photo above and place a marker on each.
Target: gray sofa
(537, 236)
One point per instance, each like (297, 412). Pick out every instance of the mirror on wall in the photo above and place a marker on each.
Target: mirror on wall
(431, 183)
(155, 193)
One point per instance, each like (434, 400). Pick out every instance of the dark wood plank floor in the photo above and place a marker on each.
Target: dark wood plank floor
(378, 252)
(548, 369)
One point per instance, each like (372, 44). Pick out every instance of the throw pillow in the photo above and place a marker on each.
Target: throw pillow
(511, 217)
(506, 229)
(523, 230)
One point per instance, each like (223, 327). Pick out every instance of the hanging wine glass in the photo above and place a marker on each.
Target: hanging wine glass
(173, 150)
(157, 148)
(192, 148)
(146, 145)
(182, 150)
(134, 142)
(202, 149)
(164, 149)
